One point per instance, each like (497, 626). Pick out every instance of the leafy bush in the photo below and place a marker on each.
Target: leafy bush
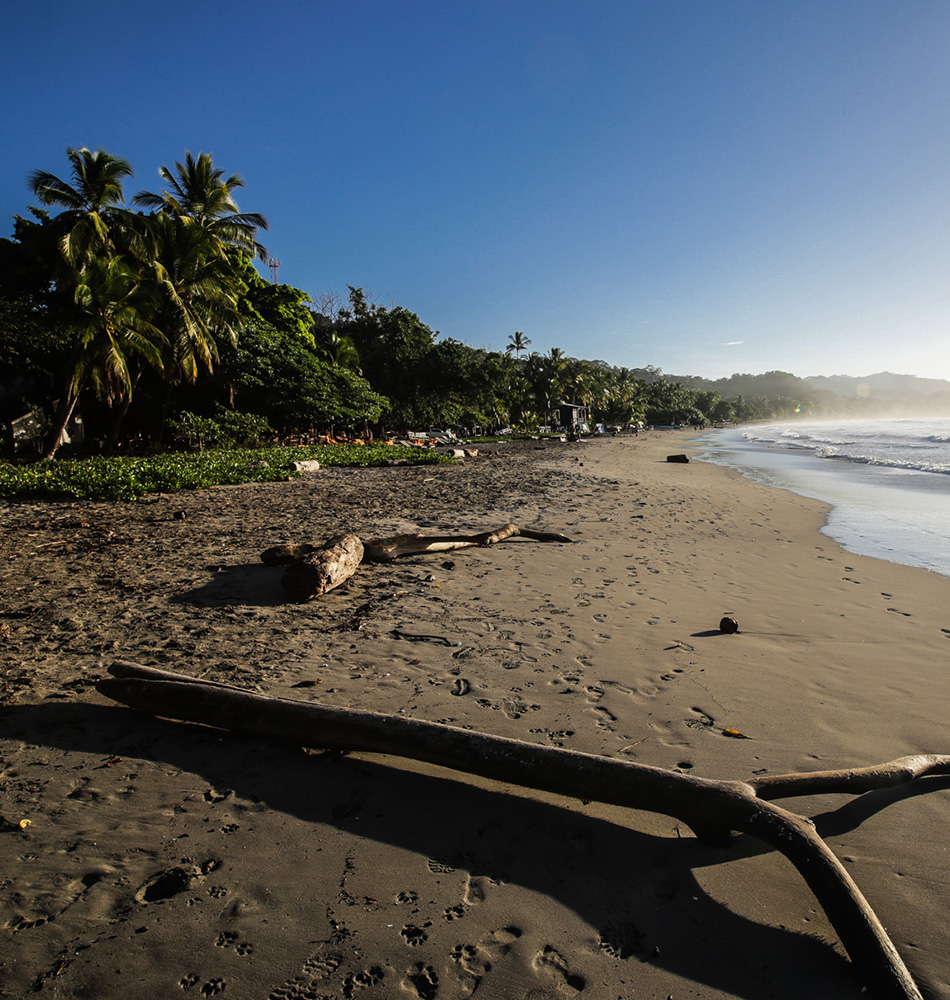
(124, 478)
(226, 428)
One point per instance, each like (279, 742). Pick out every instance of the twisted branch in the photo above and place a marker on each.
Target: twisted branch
(710, 807)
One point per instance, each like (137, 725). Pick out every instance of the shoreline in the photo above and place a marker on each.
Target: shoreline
(878, 508)
(370, 877)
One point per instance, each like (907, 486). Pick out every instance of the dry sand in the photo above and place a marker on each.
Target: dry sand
(163, 859)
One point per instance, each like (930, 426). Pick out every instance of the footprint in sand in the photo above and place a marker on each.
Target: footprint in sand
(475, 890)
(618, 686)
(623, 941)
(438, 867)
(551, 962)
(475, 960)
(703, 721)
(894, 611)
(604, 718)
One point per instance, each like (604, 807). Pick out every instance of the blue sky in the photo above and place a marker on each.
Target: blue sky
(707, 186)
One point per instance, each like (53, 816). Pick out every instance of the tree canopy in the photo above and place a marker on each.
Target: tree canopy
(131, 315)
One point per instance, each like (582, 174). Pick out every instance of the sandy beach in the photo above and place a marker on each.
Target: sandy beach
(161, 859)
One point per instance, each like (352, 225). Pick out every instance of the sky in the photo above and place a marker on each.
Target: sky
(703, 186)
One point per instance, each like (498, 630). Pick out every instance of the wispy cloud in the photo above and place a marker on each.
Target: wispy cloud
(733, 343)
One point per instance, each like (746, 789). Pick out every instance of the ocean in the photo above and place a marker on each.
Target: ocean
(888, 481)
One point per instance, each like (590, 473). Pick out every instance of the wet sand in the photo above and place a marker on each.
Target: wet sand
(164, 859)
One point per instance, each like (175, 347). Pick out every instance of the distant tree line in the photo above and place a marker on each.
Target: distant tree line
(134, 316)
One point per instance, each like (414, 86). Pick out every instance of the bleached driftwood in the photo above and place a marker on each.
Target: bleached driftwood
(315, 569)
(710, 807)
(323, 568)
(388, 549)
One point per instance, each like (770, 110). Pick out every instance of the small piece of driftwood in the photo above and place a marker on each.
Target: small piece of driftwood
(315, 569)
(712, 808)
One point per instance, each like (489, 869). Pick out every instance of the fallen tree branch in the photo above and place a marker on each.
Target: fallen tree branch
(388, 549)
(315, 569)
(710, 807)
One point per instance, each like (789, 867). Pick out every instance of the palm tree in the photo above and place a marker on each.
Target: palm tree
(91, 203)
(342, 352)
(201, 193)
(198, 295)
(196, 299)
(517, 342)
(111, 330)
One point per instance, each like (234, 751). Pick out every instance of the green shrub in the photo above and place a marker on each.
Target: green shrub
(228, 428)
(126, 478)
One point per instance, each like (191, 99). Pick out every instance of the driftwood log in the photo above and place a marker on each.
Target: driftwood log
(712, 808)
(312, 569)
(323, 567)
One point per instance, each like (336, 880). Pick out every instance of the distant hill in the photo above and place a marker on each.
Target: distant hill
(884, 386)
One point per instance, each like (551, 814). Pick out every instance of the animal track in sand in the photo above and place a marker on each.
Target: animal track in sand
(894, 611)
(423, 980)
(368, 977)
(229, 939)
(414, 935)
(467, 958)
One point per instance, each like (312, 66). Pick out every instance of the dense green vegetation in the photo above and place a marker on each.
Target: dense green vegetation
(143, 318)
(129, 477)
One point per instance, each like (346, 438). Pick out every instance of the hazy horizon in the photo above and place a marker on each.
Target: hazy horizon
(707, 188)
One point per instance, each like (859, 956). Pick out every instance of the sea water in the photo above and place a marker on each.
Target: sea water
(888, 481)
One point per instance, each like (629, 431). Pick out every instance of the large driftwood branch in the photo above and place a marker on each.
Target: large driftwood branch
(315, 569)
(707, 806)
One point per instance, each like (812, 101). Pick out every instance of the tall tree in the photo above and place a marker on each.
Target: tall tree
(91, 203)
(198, 295)
(197, 190)
(111, 329)
(518, 343)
